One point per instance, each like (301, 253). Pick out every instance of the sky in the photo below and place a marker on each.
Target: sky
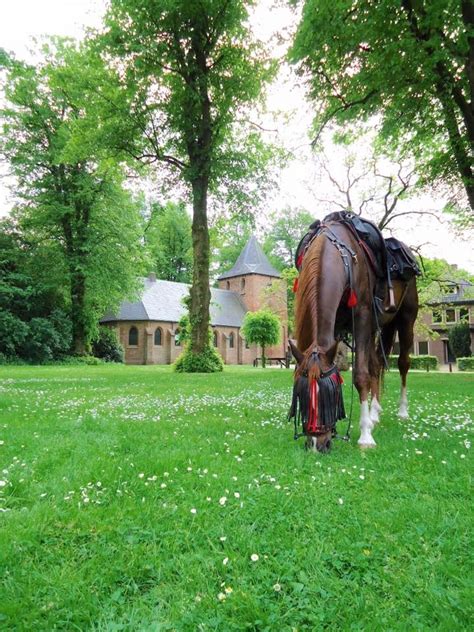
(301, 183)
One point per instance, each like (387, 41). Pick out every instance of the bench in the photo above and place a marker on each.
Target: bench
(283, 362)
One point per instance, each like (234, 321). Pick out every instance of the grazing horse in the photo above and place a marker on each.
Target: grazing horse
(335, 297)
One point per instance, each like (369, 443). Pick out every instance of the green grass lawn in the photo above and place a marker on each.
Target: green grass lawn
(133, 498)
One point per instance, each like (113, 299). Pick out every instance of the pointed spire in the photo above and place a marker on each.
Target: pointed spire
(252, 260)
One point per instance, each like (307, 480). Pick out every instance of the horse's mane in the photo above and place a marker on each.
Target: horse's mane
(308, 293)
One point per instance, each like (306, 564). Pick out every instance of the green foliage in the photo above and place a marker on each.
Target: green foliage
(107, 346)
(459, 337)
(286, 230)
(70, 198)
(465, 364)
(421, 362)
(207, 361)
(262, 328)
(184, 330)
(169, 242)
(407, 62)
(13, 333)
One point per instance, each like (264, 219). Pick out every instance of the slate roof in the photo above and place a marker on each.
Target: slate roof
(162, 301)
(464, 294)
(252, 260)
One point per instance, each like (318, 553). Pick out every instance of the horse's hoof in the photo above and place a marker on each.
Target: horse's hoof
(403, 414)
(365, 445)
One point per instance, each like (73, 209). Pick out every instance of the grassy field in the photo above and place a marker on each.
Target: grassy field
(132, 498)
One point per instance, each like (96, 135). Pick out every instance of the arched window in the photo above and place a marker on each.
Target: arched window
(133, 337)
(242, 284)
(215, 338)
(231, 340)
(158, 336)
(177, 341)
(228, 285)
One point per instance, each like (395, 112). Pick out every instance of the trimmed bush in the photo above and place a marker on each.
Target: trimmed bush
(209, 361)
(107, 346)
(426, 362)
(465, 364)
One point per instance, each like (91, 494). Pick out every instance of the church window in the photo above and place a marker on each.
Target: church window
(215, 338)
(158, 337)
(242, 284)
(227, 285)
(133, 337)
(231, 340)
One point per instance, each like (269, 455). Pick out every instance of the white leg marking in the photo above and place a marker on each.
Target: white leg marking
(403, 409)
(366, 439)
(375, 410)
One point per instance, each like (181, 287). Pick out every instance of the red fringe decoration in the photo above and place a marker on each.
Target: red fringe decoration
(295, 285)
(313, 407)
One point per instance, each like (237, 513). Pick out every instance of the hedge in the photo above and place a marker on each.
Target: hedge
(426, 362)
(466, 364)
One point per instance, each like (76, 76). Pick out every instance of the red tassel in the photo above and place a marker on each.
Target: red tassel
(295, 285)
(313, 407)
(299, 261)
(352, 300)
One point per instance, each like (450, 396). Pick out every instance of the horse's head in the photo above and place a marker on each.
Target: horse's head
(317, 396)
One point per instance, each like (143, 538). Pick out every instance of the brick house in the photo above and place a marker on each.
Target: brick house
(454, 306)
(148, 329)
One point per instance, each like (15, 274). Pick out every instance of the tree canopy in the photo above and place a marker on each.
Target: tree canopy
(409, 62)
(70, 199)
(169, 242)
(263, 328)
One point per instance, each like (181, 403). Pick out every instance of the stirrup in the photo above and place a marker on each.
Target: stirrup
(391, 308)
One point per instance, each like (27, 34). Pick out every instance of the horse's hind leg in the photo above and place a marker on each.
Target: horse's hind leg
(375, 371)
(405, 323)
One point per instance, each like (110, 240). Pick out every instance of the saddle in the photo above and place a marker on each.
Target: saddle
(390, 259)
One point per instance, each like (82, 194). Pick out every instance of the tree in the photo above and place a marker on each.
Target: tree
(408, 61)
(169, 242)
(287, 227)
(263, 328)
(187, 71)
(460, 340)
(70, 199)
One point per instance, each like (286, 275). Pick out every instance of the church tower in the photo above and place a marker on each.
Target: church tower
(259, 285)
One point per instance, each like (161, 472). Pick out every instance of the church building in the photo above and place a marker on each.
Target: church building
(148, 329)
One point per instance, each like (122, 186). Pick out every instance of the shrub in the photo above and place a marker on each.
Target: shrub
(209, 361)
(13, 333)
(426, 362)
(465, 364)
(107, 346)
(460, 340)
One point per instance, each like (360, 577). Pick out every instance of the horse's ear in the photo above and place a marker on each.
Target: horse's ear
(331, 352)
(297, 354)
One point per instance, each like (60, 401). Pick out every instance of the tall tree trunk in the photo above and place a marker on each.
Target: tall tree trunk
(264, 360)
(200, 291)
